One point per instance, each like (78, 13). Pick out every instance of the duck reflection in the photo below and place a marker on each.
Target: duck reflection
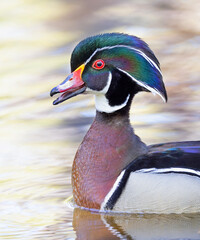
(94, 226)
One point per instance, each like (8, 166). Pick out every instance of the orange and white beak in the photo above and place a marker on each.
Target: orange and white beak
(70, 87)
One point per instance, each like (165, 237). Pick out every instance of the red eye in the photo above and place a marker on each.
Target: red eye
(98, 64)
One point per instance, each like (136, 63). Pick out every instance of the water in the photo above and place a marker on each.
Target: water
(38, 141)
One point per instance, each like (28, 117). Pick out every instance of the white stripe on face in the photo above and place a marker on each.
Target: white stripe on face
(153, 90)
(129, 47)
(149, 60)
(105, 89)
(102, 103)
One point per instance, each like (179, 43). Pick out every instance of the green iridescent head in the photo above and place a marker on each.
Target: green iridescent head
(115, 67)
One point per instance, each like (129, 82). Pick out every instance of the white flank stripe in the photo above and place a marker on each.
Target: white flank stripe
(110, 193)
(160, 193)
(129, 47)
(168, 170)
(146, 170)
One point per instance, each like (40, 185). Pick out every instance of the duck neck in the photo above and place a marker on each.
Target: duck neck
(108, 147)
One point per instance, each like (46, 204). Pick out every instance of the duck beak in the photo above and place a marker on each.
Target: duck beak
(70, 87)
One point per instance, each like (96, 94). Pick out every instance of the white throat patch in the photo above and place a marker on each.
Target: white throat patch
(102, 103)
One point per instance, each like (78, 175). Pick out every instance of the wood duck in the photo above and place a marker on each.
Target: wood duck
(113, 169)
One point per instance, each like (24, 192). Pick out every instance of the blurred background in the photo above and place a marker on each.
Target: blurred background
(38, 140)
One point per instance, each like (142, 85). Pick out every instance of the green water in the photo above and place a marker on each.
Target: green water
(38, 140)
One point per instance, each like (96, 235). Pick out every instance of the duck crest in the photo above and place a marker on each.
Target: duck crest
(88, 46)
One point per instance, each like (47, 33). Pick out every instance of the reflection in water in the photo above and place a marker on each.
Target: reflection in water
(93, 226)
(90, 226)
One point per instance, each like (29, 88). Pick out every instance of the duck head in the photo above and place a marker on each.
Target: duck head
(114, 67)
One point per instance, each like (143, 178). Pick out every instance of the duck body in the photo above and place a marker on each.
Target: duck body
(164, 180)
(113, 169)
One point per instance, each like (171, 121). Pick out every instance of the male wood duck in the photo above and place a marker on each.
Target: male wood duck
(113, 169)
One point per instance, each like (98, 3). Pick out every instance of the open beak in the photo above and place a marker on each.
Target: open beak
(70, 87)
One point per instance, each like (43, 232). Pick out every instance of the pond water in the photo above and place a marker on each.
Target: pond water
(38, 140)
